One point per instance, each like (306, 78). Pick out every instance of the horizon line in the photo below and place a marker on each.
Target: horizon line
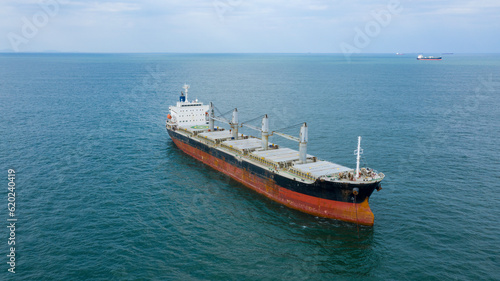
(274, 53)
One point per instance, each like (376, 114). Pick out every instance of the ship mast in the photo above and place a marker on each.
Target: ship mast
(265, 132)
(211, 115)
(303, 144)
(186, 87)
(358, 152)
(234, 124)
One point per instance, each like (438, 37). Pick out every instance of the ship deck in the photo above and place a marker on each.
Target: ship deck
(216, 135)
(321, 168)
(281, 160)
(249, 144)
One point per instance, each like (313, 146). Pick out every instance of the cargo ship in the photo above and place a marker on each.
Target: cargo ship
(421, 57)
(293, 178)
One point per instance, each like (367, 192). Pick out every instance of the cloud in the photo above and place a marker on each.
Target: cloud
(450, 8)
(245, 25)
(317, 7)
(111, 7)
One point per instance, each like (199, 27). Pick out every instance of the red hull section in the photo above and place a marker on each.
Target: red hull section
(356, 213)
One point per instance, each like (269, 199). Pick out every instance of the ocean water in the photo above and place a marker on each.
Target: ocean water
(102, 193)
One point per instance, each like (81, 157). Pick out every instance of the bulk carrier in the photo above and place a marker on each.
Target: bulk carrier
(421, 57)
(290, 177)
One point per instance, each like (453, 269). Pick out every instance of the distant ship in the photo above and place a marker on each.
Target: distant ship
(290, 177)
(420, 57)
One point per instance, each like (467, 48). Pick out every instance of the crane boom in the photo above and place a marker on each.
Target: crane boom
(223, 120)
(251, 127)
(286, 136)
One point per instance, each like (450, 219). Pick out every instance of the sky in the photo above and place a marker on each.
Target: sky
(250, 26)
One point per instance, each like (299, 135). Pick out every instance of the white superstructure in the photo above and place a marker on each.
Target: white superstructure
(188, 113)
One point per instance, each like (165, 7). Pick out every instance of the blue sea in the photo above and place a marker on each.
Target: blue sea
(102, 192)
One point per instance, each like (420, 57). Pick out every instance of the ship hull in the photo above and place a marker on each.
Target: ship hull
(323, 198)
